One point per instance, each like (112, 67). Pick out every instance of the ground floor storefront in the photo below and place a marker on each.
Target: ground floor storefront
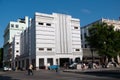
(42, 62)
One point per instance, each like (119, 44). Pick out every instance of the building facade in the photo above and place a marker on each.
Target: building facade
(11, 30)
(51, 39)
(15, 49)
(84, 32)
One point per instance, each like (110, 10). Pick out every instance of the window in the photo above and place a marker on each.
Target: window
(77, 49)
(85, 45)
(17, 51)
(17, 42)
(49, 49)
(48, 24)
(81, 36)
(75, 27)
(12, 25)
(40, 23)
(85, 35)
(41, 49)
(82, 46)
(16, 26)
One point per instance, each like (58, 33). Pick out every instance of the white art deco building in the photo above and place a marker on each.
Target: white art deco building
(50, 39)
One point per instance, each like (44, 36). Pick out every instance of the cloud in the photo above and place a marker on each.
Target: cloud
(86, 11)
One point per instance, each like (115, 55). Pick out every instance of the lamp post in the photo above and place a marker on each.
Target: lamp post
(106, 59)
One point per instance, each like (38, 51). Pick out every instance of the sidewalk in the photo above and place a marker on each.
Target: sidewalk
(93, 70)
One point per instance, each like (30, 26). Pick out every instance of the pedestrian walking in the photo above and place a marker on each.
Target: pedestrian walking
(56, 69)
(30, 69)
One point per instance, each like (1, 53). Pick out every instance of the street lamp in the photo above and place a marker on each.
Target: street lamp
(106, 59)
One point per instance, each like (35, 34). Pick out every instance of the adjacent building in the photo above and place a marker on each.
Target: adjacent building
(15, 49)
(12, 29)
(87, 54)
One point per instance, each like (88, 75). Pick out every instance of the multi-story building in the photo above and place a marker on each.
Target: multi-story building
(11, 30)
(84, 32)
(52, 39)
(15, 49)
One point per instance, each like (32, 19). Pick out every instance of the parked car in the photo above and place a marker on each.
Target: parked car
(73, 66)
(53, 67)
(7, 69)
(111, 64)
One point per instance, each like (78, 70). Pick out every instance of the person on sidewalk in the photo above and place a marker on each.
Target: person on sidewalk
(30, 69)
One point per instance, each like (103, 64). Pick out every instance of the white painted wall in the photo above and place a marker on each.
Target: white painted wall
(61, 36)
(9, 34)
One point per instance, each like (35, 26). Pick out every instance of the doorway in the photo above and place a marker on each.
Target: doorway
(63, 61)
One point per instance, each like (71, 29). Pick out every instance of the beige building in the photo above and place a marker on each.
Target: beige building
(87, 54)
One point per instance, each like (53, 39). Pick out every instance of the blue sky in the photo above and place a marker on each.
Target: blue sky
(86, 10)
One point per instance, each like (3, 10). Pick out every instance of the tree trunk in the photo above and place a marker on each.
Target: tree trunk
(106, 60)
(112, 59)
(118, 59)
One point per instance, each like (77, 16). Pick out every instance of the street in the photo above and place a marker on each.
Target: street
(52, 75)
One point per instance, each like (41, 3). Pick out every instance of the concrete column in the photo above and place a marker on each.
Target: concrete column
(58, 61)
(37, 63)
(70, 60)
(54, 61)
(25, 63)
(81, 58)
(45, 63)
(73, 59)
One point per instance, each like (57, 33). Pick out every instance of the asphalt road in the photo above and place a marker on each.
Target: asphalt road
(52, 75)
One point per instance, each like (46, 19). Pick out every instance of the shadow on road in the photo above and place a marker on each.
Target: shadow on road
(6, 78)
(111, 74)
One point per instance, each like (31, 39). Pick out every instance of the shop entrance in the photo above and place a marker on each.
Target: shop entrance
(63, 61)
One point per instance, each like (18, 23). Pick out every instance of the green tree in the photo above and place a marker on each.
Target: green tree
(104, 39)
(117, 44)
(1, 57)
